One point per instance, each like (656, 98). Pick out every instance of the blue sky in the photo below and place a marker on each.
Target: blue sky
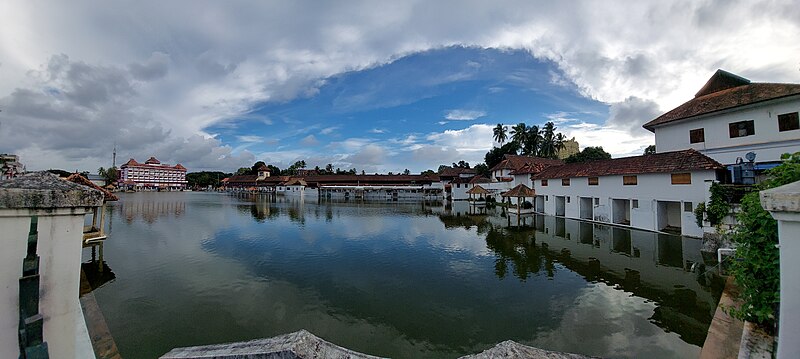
(406, 104)
(379, 86)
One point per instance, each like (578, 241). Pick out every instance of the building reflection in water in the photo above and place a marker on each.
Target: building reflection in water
(149, 211)
(96, 271)
(666, 269)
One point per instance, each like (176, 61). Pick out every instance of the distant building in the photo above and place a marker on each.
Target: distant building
(10, 166)
(153, 175)
(570, 148)
(730, 117)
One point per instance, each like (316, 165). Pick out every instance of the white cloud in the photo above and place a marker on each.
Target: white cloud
(328, 130)
(250, 138)
(309, 140)
(464, 115)
(146, 73)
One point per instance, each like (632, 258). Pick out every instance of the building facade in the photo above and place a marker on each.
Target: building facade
(656, 192)
(730, 117)
(152, 175)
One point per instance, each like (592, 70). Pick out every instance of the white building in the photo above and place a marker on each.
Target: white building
(10, 166)
(152, 174)
(656, 192)
(729, 117)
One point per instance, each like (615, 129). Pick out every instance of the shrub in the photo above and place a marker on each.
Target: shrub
(756, 269)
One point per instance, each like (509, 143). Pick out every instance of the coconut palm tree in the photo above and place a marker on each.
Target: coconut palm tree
(550, 145)
(518, 133)
(500, 133)
(533, 141)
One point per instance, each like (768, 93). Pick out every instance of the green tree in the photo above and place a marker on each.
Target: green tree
(519, 133)
(500, 133)
(532, 141)
(243, 171)
(256, 166)
(589, 154)
(650, 150)
(757, 266)
(496, 154)
(552, 141)
(461, 164)
(482, 169)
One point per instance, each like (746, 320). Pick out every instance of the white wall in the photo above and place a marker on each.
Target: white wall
(59, 248)
(650, 188)
(768, 143)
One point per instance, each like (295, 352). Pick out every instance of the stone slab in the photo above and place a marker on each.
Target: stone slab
(511, 349)
(44, 190)
(298, 345)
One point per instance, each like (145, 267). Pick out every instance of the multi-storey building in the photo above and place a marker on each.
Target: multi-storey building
(152, 174)
(10, 166)
(730, 117)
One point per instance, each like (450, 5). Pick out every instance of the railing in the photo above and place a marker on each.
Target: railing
(31, 323)
(735, 192)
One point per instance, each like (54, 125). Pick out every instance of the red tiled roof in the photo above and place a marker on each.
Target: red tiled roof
(132, 162)
(520, 190)
(178, 166)
(725, 91)
(455, 172)
(516, 163)
(677, 161)
(479, 179)
(477, 190)
(77, 178)
(152, 160)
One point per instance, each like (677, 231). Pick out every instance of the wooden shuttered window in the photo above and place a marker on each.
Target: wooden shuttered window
(565, 181)
(788, 122)
(697, 135)
(544, 183)
(742, 128)
(593, 181)
(682, 178)
(629, 180)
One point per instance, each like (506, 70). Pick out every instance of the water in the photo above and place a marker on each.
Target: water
(401, 280)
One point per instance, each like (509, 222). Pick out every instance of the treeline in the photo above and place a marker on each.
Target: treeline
(206, 178)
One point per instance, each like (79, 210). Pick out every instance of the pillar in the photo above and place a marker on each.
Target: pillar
(60, 207)
(783, 203)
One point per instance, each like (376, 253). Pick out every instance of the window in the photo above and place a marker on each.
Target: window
(635, 203)
(593, 181)
(742, 128)
(687, 206)
(697, 135)
(546, 198)
(788, 122)
(567, 199)
(629, 180)
(597, 201)
(565, 181)
(682, 178)
(544, 183)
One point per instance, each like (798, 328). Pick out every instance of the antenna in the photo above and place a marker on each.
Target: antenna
(114, 157)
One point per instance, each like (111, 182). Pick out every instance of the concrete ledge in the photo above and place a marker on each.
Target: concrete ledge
(44, 190)
(725, 332)
(785, 198)
(512, 349)
(298, 345)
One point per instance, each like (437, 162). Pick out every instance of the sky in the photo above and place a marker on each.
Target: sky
(376, 86)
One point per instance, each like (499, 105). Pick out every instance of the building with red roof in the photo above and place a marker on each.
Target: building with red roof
(152, 175)
(730, 117)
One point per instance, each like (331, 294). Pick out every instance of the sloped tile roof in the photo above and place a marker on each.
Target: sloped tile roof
(676, 161)
(517, 162)
(520, 190)
(77, 178)
(725, 91)
(455, 172)
(477, 190)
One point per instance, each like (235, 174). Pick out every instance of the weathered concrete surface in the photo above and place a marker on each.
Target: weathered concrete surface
(756, 343)
(42, 190)
(102, 342)
(725, 332)
(511, 349)
(298, 345)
